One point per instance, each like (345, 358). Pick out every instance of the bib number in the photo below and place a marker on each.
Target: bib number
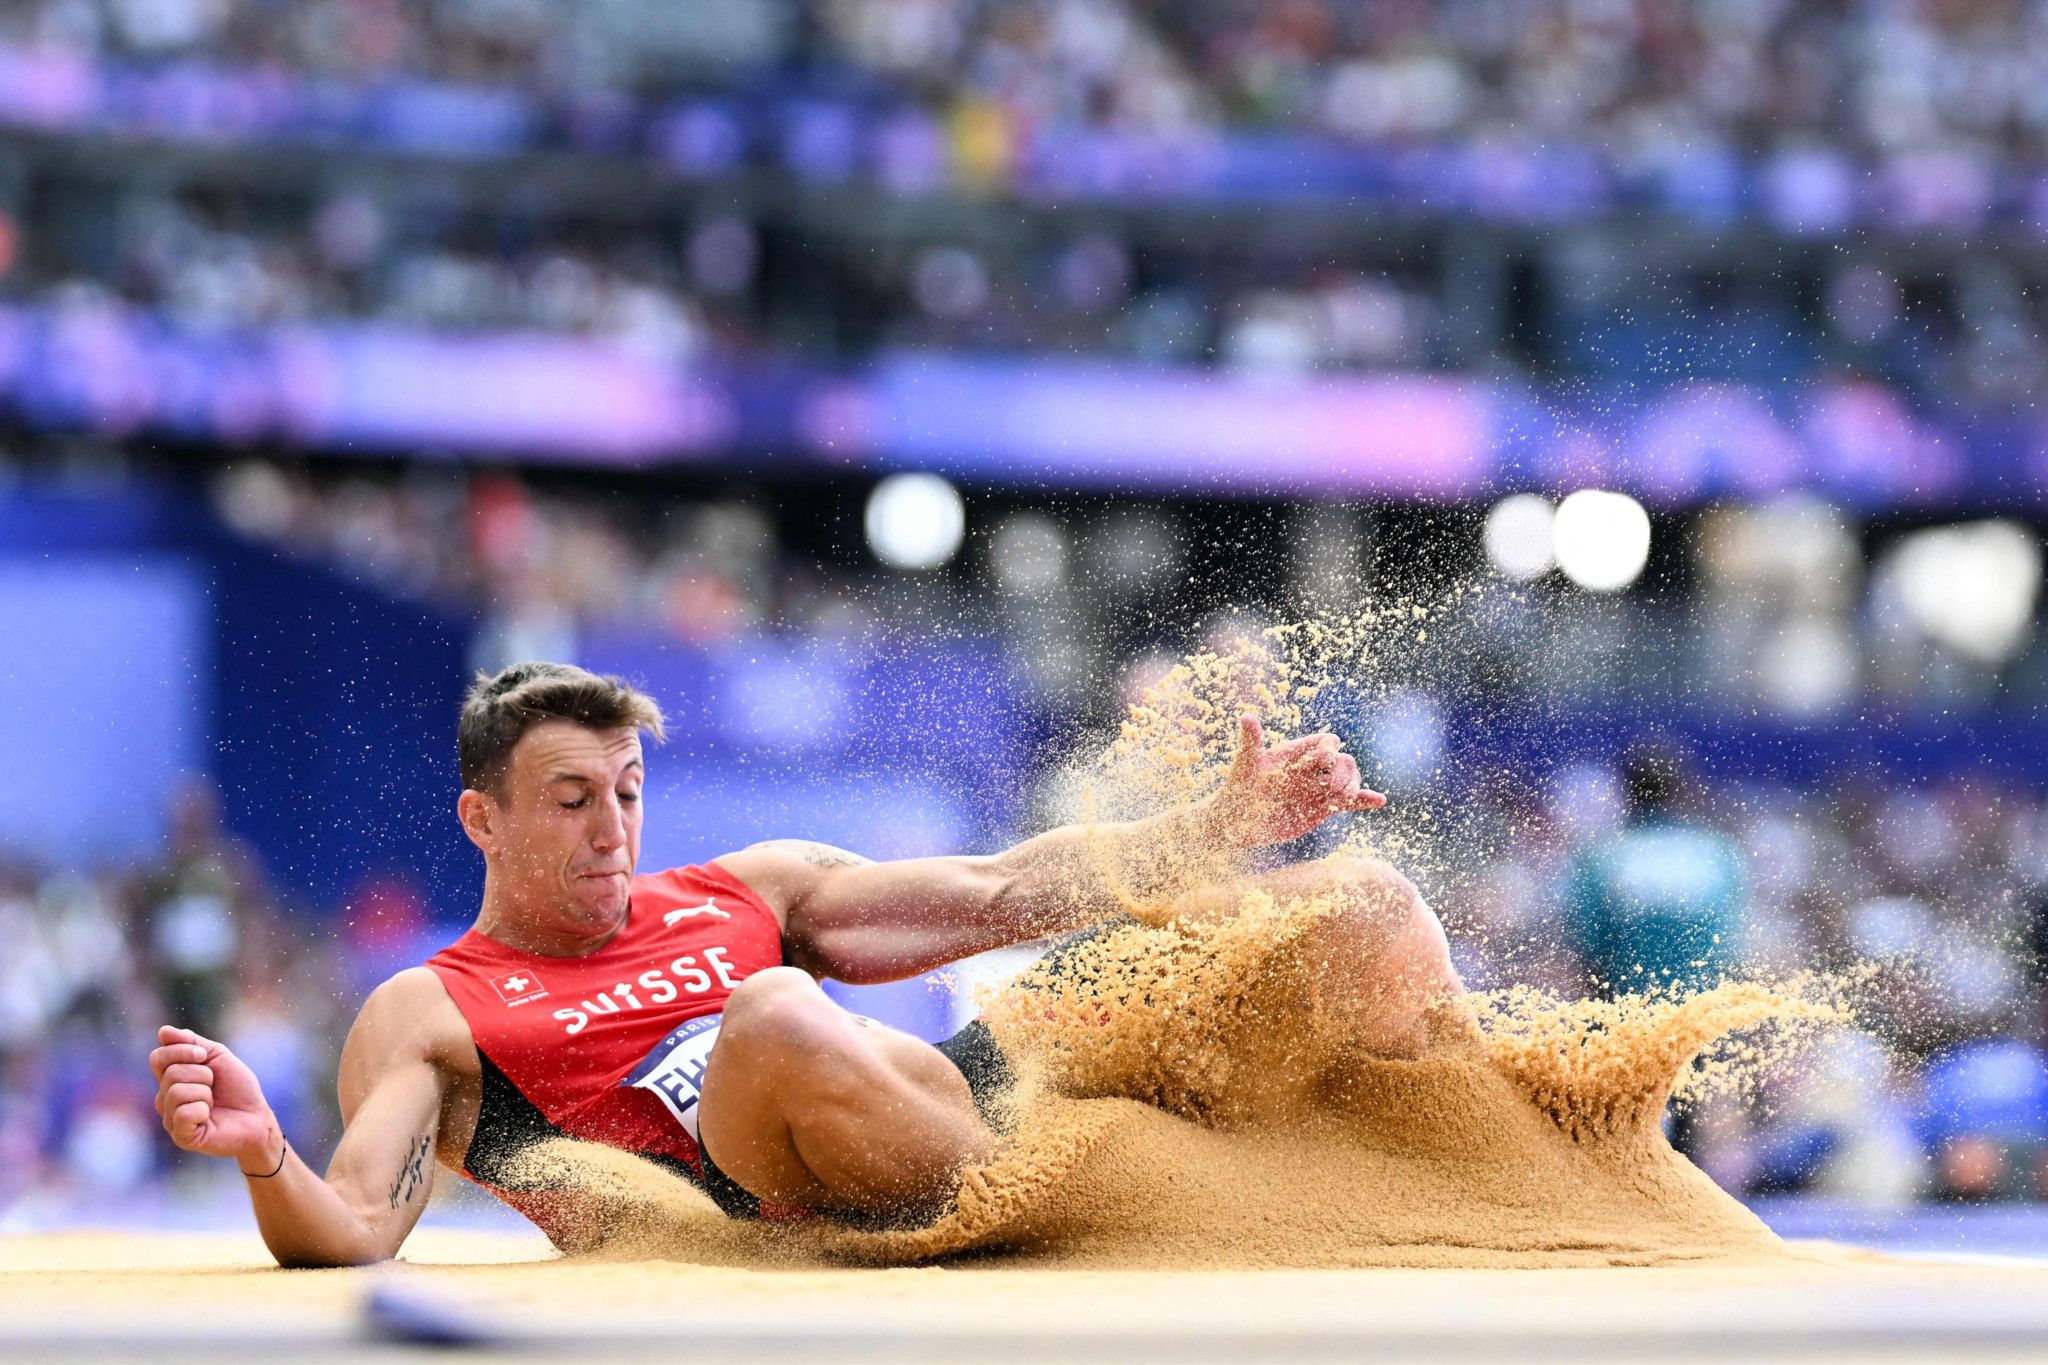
(674, 1071)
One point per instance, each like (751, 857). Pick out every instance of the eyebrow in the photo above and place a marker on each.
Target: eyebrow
(585, 780)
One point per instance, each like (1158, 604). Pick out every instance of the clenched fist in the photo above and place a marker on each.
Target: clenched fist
(211, 1104)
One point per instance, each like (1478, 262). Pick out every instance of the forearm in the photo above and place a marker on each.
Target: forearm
(306, 1222)
(873, 922)
(864, 922)
(1078, 875)
(309, 1220)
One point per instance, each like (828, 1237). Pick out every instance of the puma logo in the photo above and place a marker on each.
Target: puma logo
(684, 912)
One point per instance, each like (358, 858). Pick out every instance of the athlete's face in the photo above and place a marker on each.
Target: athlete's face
(564, 831)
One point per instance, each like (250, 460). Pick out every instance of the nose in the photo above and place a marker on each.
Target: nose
(609, 830)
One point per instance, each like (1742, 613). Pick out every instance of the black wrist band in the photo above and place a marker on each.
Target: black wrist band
(282, 1154)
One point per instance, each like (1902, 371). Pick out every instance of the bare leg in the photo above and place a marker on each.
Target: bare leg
(805, 1104)
(1381, 960)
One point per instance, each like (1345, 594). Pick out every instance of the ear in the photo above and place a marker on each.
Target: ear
(478, 813)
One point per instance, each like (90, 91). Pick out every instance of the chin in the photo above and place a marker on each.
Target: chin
(604, 900)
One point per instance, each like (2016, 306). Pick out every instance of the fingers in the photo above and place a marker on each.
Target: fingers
(188, 1092)
(1308, 745)
(187, 1123)
(1343, 783)
(184, 1095)
(1317, 756)
(182, 1084)
(1321, 756)
(175, 1054)
(1352, 793)
(171, 1035)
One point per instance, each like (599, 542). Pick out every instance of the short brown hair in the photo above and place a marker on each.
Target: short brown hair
(498, 710)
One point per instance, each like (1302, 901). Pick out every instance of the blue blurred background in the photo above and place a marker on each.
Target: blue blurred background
(895, 387)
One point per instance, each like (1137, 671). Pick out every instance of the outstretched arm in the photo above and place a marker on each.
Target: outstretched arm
(861, 921)
(392, 1092)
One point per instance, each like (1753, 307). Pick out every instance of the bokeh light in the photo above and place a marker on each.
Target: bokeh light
(1518, 537)
(1601, 539)
(915, 521)
(1971, 586)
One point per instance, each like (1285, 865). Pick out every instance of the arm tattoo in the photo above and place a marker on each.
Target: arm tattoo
(413, 1174)
(822, 855)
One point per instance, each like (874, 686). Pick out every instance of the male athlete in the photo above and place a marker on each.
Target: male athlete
(678, 1016)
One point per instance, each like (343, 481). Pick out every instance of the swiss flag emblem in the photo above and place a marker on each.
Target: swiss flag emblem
(516, 988)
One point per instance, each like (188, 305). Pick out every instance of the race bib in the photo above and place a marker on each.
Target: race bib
(675, 1069)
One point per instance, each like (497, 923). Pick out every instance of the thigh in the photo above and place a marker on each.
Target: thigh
(807, 1104)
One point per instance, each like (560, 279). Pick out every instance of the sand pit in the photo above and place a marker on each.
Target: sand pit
(171, 1297)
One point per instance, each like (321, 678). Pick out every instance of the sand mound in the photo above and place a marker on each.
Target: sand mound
(1153, 1132)
(1191, 1097)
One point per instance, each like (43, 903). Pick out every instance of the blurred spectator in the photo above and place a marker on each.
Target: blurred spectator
(1663, 902)
(98, 960)
(196, 909)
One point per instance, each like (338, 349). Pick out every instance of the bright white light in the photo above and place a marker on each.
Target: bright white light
(915, 521)
(1602, 540)
(1518, 535)
(1971, 586)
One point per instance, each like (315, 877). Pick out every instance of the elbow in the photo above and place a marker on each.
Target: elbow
(329, 1258)
(312, 1260)
(331, 1252)
(830, 957)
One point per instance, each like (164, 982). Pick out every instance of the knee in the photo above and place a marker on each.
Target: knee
(1375, 909)
(1373, 889)
(781, 1011)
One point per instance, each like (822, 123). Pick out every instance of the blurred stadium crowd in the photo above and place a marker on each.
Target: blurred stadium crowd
(1052, 157)
(1637, 76)
(1934, 84)
(1787, 603)
(220, 258)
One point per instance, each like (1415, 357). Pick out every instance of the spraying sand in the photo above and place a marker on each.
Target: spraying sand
(1189, 1099)
(1187, 1128)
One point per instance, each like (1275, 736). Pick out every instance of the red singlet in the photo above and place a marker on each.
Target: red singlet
(610, 1047)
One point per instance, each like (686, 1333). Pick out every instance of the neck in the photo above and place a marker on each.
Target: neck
(529, 929)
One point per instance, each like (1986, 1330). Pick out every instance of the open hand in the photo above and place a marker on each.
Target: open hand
(210, 1101)
(1274, 795)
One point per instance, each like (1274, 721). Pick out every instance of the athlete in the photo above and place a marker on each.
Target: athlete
(677, 1015)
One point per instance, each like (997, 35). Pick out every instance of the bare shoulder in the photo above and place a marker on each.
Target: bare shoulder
(410, 1016)
(802, 852)
(785, 871)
